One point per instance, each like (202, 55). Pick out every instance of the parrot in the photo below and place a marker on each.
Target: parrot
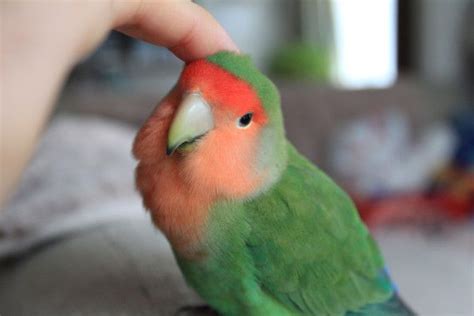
(255, 227)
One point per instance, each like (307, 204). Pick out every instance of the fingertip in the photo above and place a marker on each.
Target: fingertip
(187, 29)
(197, 47)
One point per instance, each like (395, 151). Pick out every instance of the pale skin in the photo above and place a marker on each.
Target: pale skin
(41, 41)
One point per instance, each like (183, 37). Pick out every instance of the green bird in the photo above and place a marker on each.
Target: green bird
(256, 228)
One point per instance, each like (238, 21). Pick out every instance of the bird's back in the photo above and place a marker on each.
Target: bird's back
(311, 250)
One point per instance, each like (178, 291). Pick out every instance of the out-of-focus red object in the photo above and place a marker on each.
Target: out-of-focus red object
(453, 190)
(450, 197)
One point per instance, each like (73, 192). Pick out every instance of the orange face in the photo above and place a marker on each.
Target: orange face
(215, 160)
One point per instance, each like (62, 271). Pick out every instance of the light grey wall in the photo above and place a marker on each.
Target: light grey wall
(258, 27)
(438, 40)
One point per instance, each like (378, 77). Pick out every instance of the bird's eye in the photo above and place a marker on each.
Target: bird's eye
(245, 120)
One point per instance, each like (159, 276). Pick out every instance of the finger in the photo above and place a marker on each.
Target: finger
(188, 30)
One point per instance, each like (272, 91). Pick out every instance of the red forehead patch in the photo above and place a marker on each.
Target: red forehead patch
(222, 89)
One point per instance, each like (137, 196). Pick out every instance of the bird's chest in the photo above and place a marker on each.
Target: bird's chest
(182, 214)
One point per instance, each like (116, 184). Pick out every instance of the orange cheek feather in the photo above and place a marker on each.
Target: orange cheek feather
(224, 162)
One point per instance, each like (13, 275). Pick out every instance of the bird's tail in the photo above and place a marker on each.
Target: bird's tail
(395, 306)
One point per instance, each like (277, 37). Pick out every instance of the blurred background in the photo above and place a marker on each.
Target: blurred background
(378, 93)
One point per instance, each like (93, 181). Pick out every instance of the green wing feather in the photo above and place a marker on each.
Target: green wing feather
(311, 251)
(393, 307)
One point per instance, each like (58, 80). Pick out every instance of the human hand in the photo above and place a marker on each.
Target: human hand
(42, 41)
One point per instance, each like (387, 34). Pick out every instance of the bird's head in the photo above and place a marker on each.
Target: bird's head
(220, 130)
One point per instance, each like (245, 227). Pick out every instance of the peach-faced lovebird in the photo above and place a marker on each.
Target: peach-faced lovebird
(256, 228)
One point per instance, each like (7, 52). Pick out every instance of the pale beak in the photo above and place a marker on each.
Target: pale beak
(192, 120)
